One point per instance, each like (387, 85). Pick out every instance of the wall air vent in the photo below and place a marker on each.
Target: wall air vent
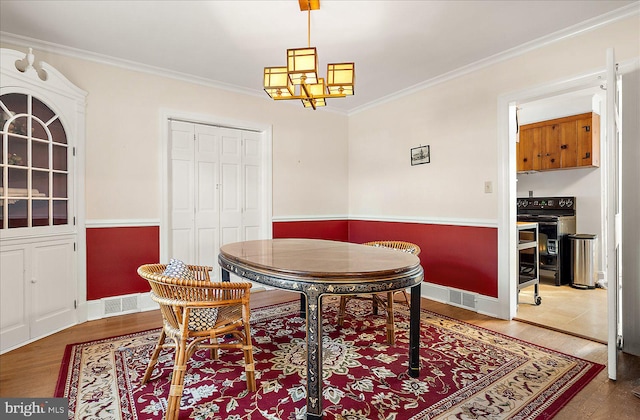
(465, 300)
(120, 305)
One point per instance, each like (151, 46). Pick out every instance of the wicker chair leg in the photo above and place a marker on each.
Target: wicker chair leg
(154, 358)
(391, 333)
(249, 366)
(343, 306)
(213, 352)
(177, 381)
(406, 297)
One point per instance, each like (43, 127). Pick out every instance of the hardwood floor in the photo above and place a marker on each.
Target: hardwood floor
(32, 370)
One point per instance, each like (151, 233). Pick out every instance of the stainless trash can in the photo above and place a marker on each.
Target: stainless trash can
(583, 260)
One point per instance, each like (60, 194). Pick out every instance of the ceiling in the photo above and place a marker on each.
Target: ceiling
(397, 45)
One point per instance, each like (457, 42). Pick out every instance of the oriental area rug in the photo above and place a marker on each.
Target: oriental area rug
(466, 372)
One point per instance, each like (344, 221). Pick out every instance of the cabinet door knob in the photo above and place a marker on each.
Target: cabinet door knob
(553, 160)
(524, 160)
(564, 146)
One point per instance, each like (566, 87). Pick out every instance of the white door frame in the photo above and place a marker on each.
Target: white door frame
(166, 115)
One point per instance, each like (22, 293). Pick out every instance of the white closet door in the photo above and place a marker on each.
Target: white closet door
(181, 192)
(207, 204)
(252, 180)
(231, 186)
(215, 191)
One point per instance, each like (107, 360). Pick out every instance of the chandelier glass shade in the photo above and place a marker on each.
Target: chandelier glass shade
(300, 79)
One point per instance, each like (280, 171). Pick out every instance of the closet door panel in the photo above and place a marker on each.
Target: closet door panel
(231, 184)
(181, 194)
(252, 185)
(207, 204)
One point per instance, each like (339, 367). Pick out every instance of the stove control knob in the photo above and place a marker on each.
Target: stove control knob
(569, 202)
(562, 202)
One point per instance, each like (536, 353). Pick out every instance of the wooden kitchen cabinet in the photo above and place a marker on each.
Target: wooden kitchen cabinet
(562, 143)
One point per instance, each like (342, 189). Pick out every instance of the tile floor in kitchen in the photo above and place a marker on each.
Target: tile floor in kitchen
(582, 312)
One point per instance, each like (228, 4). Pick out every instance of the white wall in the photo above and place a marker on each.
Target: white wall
(124, 137)
(458, 119)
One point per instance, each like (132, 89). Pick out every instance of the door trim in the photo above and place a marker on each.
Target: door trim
(265, 130)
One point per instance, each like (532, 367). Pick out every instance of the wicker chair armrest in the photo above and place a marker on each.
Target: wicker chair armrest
(200, 294)
(399, 245)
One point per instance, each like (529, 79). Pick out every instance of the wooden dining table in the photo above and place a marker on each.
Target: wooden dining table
(316, 268)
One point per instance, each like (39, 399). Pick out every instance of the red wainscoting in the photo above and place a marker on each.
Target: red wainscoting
(113, 256)
(461, 257)
(334, 230)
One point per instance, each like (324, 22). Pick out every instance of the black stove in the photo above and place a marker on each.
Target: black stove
(556, 218)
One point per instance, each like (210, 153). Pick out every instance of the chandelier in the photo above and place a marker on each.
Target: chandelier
(299, 79)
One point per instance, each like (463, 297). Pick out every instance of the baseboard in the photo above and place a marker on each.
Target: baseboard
(461, 298)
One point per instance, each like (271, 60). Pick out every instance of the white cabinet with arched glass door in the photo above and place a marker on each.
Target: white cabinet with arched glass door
(41, 225)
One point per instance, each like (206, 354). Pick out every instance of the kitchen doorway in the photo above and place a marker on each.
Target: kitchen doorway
(578, 311)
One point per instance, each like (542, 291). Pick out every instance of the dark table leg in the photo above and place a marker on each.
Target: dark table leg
(225, 275)
(314, 357)
(414, 333)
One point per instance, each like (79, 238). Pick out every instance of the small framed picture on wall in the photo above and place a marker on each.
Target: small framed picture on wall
(420, 155)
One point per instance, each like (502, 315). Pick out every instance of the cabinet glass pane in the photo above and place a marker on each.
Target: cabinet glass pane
(41, 111)
(17, 182)
(60, 185)
(15, 102)
(38, 130)
(40, 213)
(2, 162)
(39, 183)
(19, 126)
(59, 158)
(17, 151)
(17, 210)
(60, 215)
(58, 134)
(40, 154)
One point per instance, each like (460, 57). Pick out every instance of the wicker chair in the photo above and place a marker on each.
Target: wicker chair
(195, 313)
(377, 299)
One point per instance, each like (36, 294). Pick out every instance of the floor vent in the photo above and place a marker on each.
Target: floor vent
(466, 300)
(121, 304)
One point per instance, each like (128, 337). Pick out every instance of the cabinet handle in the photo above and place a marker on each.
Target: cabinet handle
(587, 128)
(587, 155)
(564, 146)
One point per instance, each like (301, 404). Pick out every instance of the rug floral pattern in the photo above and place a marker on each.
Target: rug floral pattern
(466, 373)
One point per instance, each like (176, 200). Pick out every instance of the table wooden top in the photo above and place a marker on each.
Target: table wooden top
(314, 258)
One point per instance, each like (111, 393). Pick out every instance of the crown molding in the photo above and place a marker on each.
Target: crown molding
(586, 26)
